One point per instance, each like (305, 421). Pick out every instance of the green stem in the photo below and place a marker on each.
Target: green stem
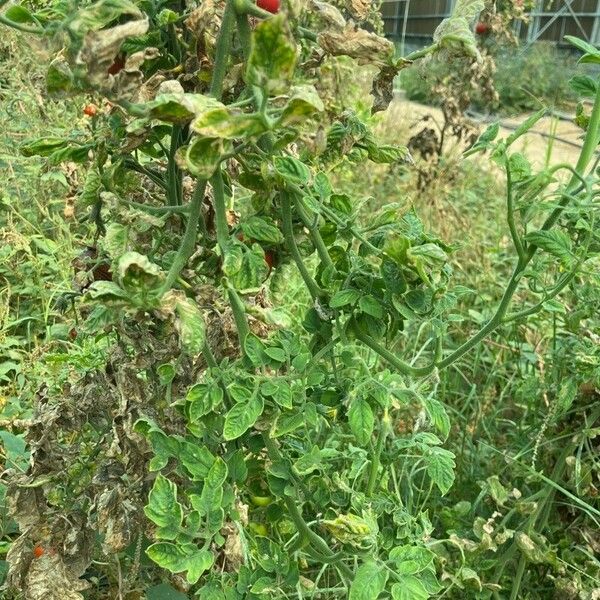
(244, 34)
(587, 153)
(514, 593)
(173, 172)
(155, 176)
(220, 211)
(237, 305)
(246, 7)
(188, 241)
(209, 357)
(376, 462)
(400, 365)
(494, 322)
(239, 315)
(510, 214)
(290, 240)
(315, 234)
(156, 210)
(316, 541)
(21, 26)
(307, 34)
(223, 50)
(421, 53)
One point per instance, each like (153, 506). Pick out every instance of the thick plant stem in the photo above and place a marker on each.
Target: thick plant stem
(510, 215)
(376, 460)
(223, 51)
(237, 305)
(587, 153)
(186, 247)
(220, 210)
(21, 26)
(239, 315)
(492, 324)
(315, 234)
(188, 242)
(288, 233)
(244, 34)
(316, 541)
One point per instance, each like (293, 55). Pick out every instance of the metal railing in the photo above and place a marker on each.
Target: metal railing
(403, 22)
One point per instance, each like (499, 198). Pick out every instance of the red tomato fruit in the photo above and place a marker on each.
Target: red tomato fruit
(91, 110)
(481, 28)
(271, 6)
(38, 551)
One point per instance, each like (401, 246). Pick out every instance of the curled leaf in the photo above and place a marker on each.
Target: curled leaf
(357, 43)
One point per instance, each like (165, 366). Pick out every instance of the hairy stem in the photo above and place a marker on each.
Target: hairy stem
(315, 234)
(188, 242)
(223, 51)
(237, 305)
(290, 240)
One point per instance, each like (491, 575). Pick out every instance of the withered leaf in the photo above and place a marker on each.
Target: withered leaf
(357, 43)
(101, 47)
(330, 14)
(359, 9)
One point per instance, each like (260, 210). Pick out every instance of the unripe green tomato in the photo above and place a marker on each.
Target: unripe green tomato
(261, 500)
(258, 528)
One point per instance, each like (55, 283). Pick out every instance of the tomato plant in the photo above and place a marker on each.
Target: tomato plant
(268, 448)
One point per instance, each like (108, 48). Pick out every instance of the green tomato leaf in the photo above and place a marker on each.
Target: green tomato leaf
(411, 559)
(140, 278)
(222, 123)
(369, 582)
(409, 588)
(203, 155)
(361, 420)
(262, 229)
(190, 325)
(253, 271)
(292, 170)
(163, 509)
(304, 102)
(437, 415)
(440, 468)
(344, 298)
(179, 558)
(241, 417)
(555, 242)
(273, 56)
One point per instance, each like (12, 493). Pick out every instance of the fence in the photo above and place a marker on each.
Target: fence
(412, 22)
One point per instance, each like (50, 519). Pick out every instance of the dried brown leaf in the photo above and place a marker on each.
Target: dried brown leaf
(367, 47)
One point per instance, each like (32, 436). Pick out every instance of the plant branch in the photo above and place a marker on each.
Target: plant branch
(315, 234)
(237, 305)
(223, 51)
(316, 541)
(188, 241)
(290, 240)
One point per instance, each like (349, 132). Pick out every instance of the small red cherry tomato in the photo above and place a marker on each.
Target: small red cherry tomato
(90, 110)
(481, 28)
(38, 551)
(271, 6)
